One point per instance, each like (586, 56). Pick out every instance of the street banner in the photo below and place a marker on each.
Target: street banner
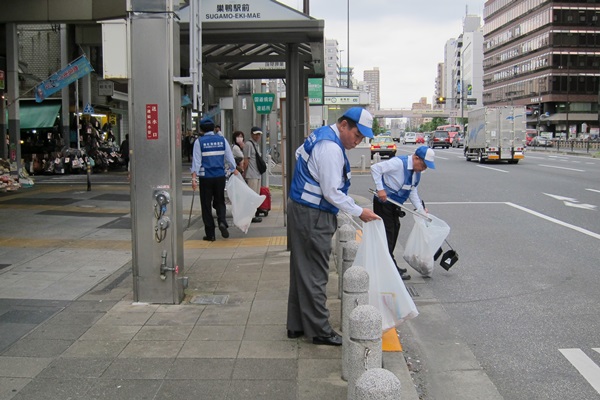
(60, 79)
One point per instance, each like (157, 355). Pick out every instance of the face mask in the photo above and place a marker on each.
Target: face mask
(239, 140)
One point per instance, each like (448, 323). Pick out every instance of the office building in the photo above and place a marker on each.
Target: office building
(371, 77)
(544, 55)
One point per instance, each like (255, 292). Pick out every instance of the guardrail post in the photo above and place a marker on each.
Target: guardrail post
(344, 233)
(356, 293)
(364, 346)
(377, 384)
(349, 250)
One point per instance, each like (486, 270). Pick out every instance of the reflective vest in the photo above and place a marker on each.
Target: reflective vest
(305, 189)
(401, 195)
(212, 148)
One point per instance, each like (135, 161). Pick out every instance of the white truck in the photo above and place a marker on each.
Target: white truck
(496, 134)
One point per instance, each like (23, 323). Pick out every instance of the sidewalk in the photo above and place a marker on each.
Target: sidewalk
(69, 328)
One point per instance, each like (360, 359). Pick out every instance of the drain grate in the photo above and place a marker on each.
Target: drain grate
(216, 299)
(412, 291)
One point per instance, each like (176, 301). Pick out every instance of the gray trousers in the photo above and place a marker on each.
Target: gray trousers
(311, 231)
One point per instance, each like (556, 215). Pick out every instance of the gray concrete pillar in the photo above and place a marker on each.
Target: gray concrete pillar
(364, 346)
(356, 293)
(377, 384)
(345, 233)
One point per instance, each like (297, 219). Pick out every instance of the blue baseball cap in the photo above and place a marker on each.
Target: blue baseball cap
(426, 154)
(206, 120)
(363, 119)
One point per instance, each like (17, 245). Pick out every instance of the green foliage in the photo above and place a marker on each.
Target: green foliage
(377, 129)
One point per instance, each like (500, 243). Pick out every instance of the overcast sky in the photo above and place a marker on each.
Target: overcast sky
(404, 38)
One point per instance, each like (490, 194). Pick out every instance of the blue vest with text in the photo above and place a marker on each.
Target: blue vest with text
(213, 156)
(305, 189)
(401, 195)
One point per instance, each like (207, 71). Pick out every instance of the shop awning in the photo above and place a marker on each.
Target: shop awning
(37, 116)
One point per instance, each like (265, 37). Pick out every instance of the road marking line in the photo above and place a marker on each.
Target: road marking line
(556, 221)
(493, 169)
(569, 169)
(586, 367)
(593, 190)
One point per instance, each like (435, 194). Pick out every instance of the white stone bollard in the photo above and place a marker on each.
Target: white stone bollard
(364, 346)
(376, 158)
(377, 384)
(356, 293)
(345, 233)
(363, 163)
(349, 250)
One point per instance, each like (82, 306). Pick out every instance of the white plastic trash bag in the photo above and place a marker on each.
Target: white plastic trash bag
(386, 289)
(424, 240)
(244, 202)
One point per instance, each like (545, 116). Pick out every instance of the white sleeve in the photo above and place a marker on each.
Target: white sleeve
(326, 165)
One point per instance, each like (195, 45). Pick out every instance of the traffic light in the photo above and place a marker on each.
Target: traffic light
(441, 100)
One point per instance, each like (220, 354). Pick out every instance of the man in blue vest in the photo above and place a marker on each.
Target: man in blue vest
(397, 179)
(208, 165)
(318, 191)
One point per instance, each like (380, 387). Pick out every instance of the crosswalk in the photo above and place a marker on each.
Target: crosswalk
(585, 365)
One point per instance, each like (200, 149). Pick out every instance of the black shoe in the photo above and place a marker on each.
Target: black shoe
(256, 219)
(224, 231)
(209, 238)
(295, 334)
(404, 274)
(333, 340)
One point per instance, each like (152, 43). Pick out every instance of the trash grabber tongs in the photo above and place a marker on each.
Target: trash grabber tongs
(403, 207)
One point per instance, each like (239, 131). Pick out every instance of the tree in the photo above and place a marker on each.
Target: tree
(377, 129)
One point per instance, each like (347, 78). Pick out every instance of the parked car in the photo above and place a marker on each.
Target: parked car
(458, 141)
(409, 137)
(384, 145)
(439, 139)
(541, 141)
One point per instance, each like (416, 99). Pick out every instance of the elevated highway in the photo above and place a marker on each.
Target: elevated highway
(407, 113)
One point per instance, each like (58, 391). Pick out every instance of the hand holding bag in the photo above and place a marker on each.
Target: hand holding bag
(386, 289)
(244, 201)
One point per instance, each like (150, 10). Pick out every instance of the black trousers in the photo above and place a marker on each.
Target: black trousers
(390, 214)
(212, 194)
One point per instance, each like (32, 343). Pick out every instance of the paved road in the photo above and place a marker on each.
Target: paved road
(499, 323)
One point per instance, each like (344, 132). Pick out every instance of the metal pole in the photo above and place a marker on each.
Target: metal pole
(77, 114)
(567, 106)
(348, 44)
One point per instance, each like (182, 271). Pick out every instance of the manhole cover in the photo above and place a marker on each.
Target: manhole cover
(218, 299)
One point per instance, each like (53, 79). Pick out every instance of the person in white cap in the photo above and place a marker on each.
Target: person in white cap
(318, 191)
(397, 179)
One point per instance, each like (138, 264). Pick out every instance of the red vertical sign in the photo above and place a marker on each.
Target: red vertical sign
(152, 121)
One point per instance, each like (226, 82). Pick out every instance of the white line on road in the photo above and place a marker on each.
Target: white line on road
(493, 169)
(593, 190)
(569, 169)
(585, 366)
(556, 221)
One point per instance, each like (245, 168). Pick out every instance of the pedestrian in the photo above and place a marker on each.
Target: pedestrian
(210, 154)
(124, 149)
(218, 130)
(237, 149)
(318, 191)
(251, 173)
(397, 179)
